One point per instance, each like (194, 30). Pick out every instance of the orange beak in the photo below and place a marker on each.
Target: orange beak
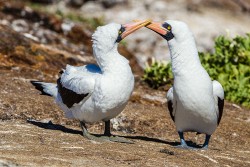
(156, 27)
(132, 27)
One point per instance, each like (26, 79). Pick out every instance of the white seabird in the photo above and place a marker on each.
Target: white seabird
(94, 93)
(195, 102)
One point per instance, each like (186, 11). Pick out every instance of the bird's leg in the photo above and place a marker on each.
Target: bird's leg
(183, 142)
(112, 137)
(107, 128)
(84, 129)
(87, 135)
(205, 145)
(106, 137)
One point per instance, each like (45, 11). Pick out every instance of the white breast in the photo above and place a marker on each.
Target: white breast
(195, 102)
(110, 96)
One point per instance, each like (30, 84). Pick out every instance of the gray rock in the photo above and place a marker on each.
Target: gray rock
(7, 163)
(20, 25)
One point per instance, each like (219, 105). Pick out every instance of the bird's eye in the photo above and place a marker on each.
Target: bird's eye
(122, 29)
(167, 26)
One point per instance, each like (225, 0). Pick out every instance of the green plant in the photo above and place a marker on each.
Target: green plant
(157, 74)
(124, 43)
(230, 65)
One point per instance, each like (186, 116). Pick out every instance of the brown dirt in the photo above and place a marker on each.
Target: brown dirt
(40, 143)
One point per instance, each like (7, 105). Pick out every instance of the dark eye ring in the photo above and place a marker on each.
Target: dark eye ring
(167, 26)
(122, 29)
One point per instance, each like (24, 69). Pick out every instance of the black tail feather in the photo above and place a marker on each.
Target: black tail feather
(38, 85)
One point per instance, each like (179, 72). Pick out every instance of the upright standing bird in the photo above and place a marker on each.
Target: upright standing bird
(94, 93)
(195, 102)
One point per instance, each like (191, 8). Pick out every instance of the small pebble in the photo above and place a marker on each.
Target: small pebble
(166, 151)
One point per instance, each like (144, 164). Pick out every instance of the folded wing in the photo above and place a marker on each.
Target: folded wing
(77, 83)
(171, 102)
(219, 99)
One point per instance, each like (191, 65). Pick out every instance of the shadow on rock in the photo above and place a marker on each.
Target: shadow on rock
(144, 138)
(51, 126)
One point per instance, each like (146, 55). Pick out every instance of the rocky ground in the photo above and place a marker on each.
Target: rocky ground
(34, 132)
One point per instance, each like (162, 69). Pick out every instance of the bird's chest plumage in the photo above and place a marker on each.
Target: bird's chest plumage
(109, 98)
(193, 88)
(112, 92)
(194, 106)
(195, 103)
(193, 93)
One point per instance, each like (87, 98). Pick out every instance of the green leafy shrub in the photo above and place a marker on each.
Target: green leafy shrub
(157, 74)
(229, 64)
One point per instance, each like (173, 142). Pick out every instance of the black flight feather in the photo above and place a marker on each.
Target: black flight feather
(68, 96)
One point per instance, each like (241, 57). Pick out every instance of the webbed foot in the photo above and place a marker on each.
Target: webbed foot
(120, 140)
(185, 146)
(89, 136)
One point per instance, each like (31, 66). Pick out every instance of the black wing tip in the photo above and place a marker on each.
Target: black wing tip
(221, 107)
(34, 81)
(170, 108)
(38, 85)
(61, 72)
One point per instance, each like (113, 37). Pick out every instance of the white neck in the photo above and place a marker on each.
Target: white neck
(184, 55)
(109, 60)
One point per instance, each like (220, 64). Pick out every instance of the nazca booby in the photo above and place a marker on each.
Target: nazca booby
(94, 93)
(195, 102)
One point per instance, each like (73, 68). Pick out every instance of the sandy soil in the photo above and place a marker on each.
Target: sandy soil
(28, 138)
